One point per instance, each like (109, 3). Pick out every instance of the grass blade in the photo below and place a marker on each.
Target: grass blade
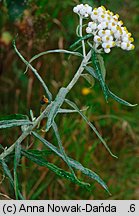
(73, 105)
(14, 117)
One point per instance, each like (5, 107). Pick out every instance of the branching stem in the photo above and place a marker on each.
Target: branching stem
(45, 112)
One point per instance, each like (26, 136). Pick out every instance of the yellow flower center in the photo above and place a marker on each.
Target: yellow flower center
(117, 15)
(121, 22)
(103, 32)
(103, 8)
(133, 47)
(131, 39)
(99, 39)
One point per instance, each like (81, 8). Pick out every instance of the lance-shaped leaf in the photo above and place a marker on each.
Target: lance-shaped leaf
(55, 107)
(73, 105)
(81, 38)
(95, 73)
(60, 172)
(34, 71)
(120, 100)
(102, 66)
(7, 172)
(75, 164)
(53, 51)
(97, 67)
(66, 159)
(70, 110)
(91, 71)
(89, 78)
(14, 120)
(17, 157)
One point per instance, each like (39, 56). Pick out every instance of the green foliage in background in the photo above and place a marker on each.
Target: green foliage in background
(40, 28)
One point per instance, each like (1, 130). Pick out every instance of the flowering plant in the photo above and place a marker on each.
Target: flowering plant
(103, 32)
(106, 28)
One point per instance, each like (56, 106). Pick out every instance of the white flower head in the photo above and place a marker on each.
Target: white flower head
(92, 25)
(88, 30)
(97, 39)
(106, 28)
(83, 10)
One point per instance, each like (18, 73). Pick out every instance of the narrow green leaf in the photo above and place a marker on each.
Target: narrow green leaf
(91, 71)
(89, 78)
(102, 66)
(75, 164)
(97, 67)
(66, 159)
(35, 72)
(73, 105)
(60, 172)
(13, 123)
(121, 101)
(16, 163)
(7, 172)
(78, 29)
(53, 51)
(111, 94)
(55, 107)
(70, 110)
(81, 38)
(9, 175)
(1, 147)
(41, 153)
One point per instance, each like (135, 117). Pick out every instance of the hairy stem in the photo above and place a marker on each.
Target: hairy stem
(46, 111)
(81, 34)
(26, 132)
(79, 72)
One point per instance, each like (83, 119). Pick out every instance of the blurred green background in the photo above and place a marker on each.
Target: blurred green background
(43, 25)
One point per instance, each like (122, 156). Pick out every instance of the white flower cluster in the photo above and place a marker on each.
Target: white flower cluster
(83, 10)
(107, 30)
